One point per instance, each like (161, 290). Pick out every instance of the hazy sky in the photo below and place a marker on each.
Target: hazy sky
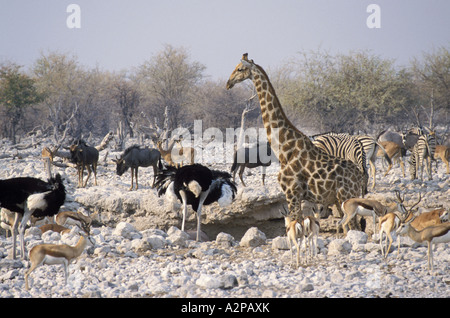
(119, 35)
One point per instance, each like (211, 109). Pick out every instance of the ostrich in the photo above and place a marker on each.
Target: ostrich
(28, 196)
(196, 185)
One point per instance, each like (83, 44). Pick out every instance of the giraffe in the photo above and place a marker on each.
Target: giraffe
(306, 173)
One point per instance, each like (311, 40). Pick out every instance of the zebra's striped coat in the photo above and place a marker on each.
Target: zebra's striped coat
(423, 149)
(346, 147)
(371, 147)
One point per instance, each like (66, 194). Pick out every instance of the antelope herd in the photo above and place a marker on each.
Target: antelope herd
(431, 227)
(334, 173)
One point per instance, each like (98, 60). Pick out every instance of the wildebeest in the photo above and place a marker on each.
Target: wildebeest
(135, 157)
(411, 137)
(388, 135)
(84, 156)
(252, 157)
(405, 140)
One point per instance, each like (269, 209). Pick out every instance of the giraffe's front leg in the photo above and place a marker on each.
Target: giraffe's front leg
(293, 192)
(294, 199)
(295, 207)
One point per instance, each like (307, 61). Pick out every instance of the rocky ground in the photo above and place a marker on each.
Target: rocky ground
(132, 258)
(126, 262)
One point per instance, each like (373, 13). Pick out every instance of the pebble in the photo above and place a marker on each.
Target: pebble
(126, 262)
(129, 263)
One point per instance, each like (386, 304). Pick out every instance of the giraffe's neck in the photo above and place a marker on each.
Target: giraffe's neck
(281, 133)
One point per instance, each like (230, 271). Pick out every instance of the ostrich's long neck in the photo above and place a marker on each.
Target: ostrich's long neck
(279, 129)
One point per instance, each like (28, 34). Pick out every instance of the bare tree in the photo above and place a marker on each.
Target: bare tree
(221, 108)
(169, 80)
(57, 81)
(67, 86)
(127, 97)
(432, 84)
(249, 106)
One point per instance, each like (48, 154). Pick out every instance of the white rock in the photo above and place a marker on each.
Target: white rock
(224, 239)
(269, 294)
(338, 247)
(307, 287)
(151, 232)
(156, 241)
(34, 231)
(253, 238)
(140, 245)
(370, 247)
(208, 281)
(356, 237)
(51, 237)
(228, 281)
(9, 275)
(127, 231)
(280, 243)
(172, 230)
(102, 250)
(70, 238)
(178, 237)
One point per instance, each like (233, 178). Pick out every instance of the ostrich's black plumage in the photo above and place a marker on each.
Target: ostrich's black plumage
(28, 196)
(198, 184)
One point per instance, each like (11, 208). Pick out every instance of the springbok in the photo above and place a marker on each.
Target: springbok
(442, 152)
(294, 233)
(166, 154)
(49, 153)
(429, 218)
(183, 154)
(311, 229)
(7, 219)
(54, 227)
(52, 254)
(65, 218)
(431, 234)
(390, 222)
(367, 207)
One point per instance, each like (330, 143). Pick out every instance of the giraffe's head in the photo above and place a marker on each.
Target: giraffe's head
(241, 72)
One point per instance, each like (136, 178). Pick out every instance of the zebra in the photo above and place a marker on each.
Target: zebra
(370, 146)
(423, 149)
(346, 147)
